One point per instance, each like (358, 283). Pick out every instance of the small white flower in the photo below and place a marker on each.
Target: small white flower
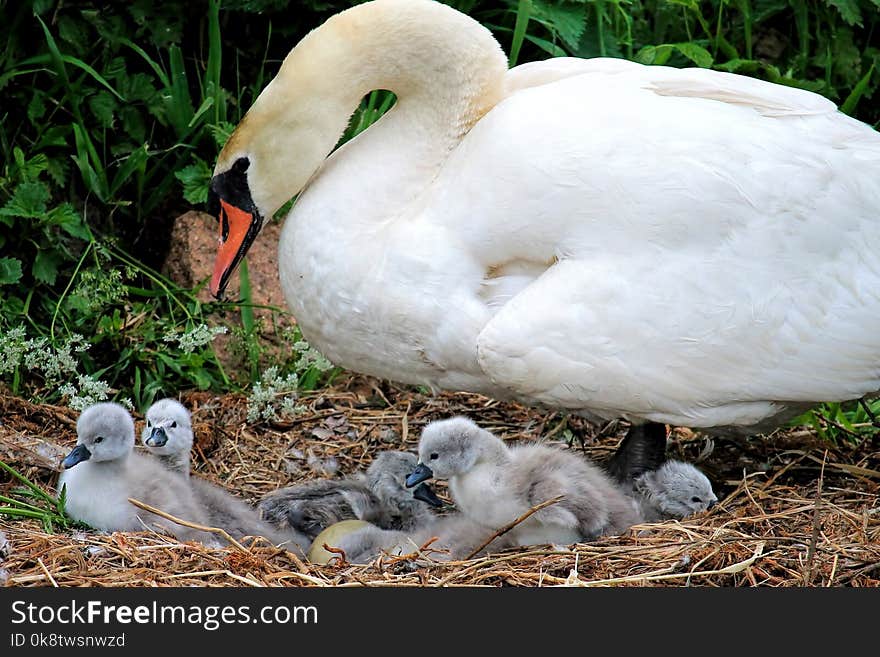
(12, 349)
(196, 337)
(273, 396)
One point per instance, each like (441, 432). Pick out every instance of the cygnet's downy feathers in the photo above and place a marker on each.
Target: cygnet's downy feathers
(494, 484)
(675, 490)
(169, 436)
(103, 471)
(378, 496)
(455, 537)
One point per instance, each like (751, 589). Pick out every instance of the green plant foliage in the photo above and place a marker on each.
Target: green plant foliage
(846, 423)
(31, 501)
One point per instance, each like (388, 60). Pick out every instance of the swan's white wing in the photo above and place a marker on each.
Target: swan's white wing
(769, 99)
(714, 237)
(620, 336)
(536, 74)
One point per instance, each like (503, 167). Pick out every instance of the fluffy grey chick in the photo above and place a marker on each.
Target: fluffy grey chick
(456, 537)
(661, 489)
(5, 548)
(494, 484)
(169, 436)
(674, 490)
(378, 496)
(103, 471)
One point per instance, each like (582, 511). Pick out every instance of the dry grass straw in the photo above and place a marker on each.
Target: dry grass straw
(776, 525)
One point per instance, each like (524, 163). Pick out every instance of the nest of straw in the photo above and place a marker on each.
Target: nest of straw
(795, 510)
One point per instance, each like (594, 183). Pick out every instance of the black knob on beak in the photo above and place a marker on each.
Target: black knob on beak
(157, 438)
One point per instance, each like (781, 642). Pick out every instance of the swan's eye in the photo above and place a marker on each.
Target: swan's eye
(174, 425)
(434, 456)
(241, 164)
(99, 439)
(696, 500)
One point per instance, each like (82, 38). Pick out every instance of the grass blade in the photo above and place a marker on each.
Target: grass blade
(215, 51)
(849, 105)
(38, 492)
(523, 14)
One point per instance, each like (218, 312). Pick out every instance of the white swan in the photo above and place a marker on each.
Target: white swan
(682, 246)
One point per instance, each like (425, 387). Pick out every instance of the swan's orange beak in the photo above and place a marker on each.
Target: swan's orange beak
(229, 197)
(234, 225)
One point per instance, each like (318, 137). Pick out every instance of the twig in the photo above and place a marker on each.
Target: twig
(662, 575)
(814, 537)
(48, 574)
(513, 524)
(187, 523)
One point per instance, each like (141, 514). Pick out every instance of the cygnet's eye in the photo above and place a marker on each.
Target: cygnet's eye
(434, 456)
(148, 424)
(174, 425)
(696, 500)
(99, 439)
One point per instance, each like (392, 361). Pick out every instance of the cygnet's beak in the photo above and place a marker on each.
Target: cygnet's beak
(419, 475)
(711, 504)
(157, 438)
(79, 454)
(425, 493)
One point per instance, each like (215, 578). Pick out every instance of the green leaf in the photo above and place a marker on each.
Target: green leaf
(115, 69)
(135, 162)
(138, 87)
(57, 135)
(102, 105)
(73, 32)
(36, 108)
(697, 54)
(42, 6)
(520, 28)
(659, 55)
(567, 20)
(133, 123)
(29, 201)
(95, 180)
(45, 267)
(547, 46)
(848, 9)
(849, 105)
(29, 169)
(654, 55)
(58, 170)
(223, 131)
(196, 179)
(10, 270)
(70, 221)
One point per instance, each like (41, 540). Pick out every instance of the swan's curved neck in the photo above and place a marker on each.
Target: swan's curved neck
(445, 68)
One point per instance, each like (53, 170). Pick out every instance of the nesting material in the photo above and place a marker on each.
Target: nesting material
(765, 530)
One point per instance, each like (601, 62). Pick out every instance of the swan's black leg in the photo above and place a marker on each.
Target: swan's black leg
(643, 449)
